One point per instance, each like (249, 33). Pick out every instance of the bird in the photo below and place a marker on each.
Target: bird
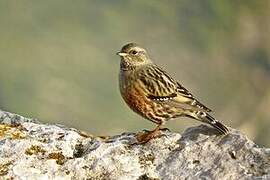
(155, 95)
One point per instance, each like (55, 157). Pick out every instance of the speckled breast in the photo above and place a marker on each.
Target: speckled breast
(136, 100)
(135, 97)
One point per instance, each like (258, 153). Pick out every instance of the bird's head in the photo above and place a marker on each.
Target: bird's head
(133, 56)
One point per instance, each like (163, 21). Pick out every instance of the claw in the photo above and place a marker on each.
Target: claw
(165, 129)
(146, 130)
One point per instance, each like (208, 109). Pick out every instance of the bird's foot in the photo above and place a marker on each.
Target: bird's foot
(144, 137)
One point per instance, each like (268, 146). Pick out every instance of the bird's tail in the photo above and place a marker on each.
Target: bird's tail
(216, 124)
(206, 118)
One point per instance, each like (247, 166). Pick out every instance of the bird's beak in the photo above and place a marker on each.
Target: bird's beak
(122, 54)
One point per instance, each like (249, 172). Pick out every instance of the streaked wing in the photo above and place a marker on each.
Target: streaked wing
(162, 88)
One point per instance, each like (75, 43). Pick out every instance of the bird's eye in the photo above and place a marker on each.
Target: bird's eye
(134, 52)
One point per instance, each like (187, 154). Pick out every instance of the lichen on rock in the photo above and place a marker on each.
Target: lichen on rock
(33, 150)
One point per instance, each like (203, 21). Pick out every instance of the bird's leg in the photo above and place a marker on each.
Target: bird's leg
(144, 137)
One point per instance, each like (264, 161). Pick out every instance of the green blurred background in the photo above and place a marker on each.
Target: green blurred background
(58, 61)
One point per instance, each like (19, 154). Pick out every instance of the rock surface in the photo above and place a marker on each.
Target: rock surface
(32, 150)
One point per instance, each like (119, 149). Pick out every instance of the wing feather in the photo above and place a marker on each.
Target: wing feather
(164, 89)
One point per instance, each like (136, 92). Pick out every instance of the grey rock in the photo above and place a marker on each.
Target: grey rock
(32, 150)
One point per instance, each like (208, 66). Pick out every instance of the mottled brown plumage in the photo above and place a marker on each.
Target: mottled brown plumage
(154, 94)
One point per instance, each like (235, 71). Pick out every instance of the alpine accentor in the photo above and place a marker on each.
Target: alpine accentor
(154, 94)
